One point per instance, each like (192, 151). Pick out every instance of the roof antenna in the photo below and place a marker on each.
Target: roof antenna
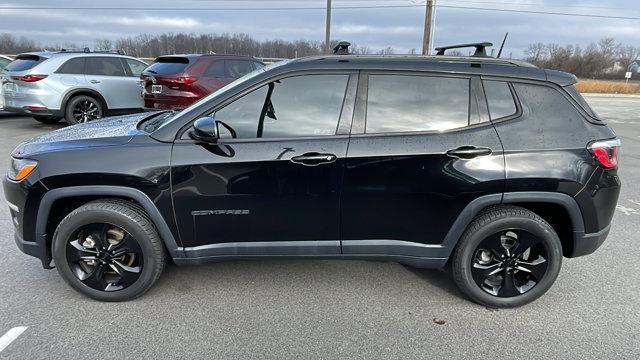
(502, 46)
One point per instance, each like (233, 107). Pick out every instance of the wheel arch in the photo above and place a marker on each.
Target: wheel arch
(534, 201)
(84, 194)
(83, 91)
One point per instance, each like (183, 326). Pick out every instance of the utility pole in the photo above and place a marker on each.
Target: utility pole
(428, 19)
(327, 33)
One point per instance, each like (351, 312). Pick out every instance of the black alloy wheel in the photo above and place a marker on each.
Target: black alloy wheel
(508, 256)
(509, 263)
(82, 109)
(86, 110)
(109, 250)
(104, 257)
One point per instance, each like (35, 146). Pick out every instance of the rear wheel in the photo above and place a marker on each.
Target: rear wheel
(83, 108)
(507, 257)
(108, 250)
(47, 119)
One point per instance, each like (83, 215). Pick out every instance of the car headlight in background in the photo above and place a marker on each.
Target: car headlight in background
(21, 168)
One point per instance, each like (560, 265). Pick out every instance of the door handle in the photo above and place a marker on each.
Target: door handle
(313, 159)
(95, 81)
(469, 152)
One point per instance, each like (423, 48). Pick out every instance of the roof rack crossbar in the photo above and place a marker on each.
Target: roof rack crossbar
(342, 48)
(481, 48)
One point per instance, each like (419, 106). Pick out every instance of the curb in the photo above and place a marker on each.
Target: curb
(611, 95)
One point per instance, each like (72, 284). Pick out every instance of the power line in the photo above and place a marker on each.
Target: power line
(354, 7)
(540, 12)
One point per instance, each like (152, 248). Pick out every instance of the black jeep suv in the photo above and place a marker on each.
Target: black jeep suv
(494, 167)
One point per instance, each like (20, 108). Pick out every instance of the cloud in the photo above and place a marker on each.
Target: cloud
(153, 22)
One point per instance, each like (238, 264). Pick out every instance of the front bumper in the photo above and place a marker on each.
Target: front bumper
(23, 200)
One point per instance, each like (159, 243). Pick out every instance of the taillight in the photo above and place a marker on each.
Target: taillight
(29, 78)
(186, 80)
(606, 152)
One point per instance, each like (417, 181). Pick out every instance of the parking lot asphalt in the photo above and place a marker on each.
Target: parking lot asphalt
(333, 309)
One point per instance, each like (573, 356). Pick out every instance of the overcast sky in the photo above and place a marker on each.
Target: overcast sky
(400, 28)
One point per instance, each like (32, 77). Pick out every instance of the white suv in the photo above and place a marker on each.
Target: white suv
(4, 61)
(79, 86)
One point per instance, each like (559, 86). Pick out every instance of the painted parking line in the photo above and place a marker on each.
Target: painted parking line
(11, 335)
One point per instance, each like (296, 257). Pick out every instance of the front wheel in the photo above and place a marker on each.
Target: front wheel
(81, 109)
(108, 250)
(507, 257)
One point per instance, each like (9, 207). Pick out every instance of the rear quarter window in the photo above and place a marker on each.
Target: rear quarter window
(24, 62)
(168, 65)
(573, 92)
(73, 66)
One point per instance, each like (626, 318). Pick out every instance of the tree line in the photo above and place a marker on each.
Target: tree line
(603, 59)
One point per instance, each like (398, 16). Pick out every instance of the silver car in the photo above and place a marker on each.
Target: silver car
(78, 86)
(4, 61)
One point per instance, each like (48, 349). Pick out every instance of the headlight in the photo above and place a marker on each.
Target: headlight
(21, 168)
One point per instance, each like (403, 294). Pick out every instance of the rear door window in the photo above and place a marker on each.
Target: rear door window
(215, 69)
(104, 66)
(238, 68)
(499, 99)
(408, 103)
(24, 62)
(168, 65)
(73, 66)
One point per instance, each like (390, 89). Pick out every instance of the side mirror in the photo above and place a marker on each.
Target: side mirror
(205, 130)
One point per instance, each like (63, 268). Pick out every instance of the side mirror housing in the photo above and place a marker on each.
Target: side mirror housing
(205, 130)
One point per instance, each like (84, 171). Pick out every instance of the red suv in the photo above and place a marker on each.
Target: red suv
(177, 81)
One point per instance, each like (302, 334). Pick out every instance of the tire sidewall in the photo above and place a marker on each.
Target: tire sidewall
(549, 240)
(72, 103)
(70, 224)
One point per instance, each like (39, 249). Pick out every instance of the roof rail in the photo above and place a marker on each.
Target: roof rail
(87, 50)
(342, 48)
(481, 48)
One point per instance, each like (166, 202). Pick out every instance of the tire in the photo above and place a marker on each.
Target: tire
(514, 230)
(83, 108)
(113, 213)
(47, 119)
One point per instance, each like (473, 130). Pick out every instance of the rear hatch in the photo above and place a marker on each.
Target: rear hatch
(19, 73)
(168, 75)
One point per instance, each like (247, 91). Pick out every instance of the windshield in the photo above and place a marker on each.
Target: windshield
(228, 87)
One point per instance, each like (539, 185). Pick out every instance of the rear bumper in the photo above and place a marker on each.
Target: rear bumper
(585, 244)
(163, 102)
(33, 111)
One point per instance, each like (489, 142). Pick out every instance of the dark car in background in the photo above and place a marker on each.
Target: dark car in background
(177, 81)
